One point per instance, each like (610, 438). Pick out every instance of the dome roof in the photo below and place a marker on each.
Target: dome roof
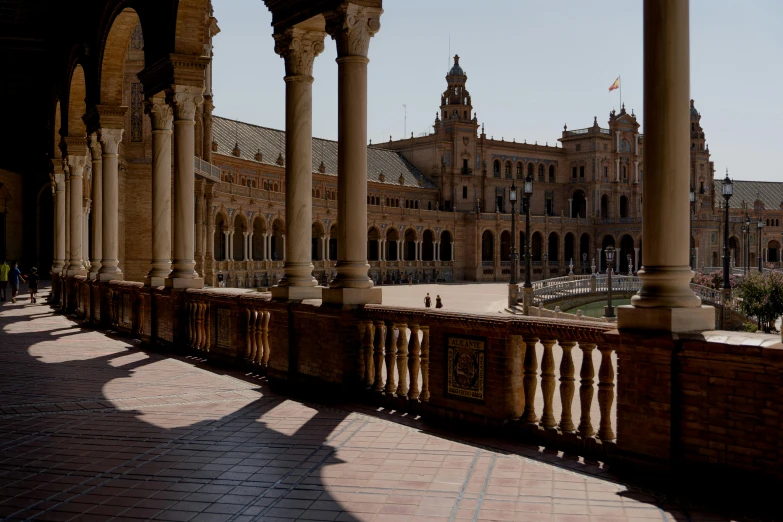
(456, 70)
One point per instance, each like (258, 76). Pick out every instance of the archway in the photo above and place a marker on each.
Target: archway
(317, 235)
(240, 231)
(606, 243)
(626, 250)
(584, 253)
(392, 237)
(487, 247)
(505, 246)
(276, 247)
(735, 252)
(579, 204)
(427, 246)
(604, 206)
(373, 243)
(445, 246)
(219, 244)
(773, 249)
(623, 206)
(568, 249)
(536, 247)
(259, 229)
(410, 245)
(553, 247)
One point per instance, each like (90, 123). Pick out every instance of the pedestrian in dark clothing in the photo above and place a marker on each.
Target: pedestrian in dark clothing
(438, 302)
(428, 301)
(32, 283)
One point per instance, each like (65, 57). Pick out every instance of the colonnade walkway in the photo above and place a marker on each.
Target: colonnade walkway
(92, 427)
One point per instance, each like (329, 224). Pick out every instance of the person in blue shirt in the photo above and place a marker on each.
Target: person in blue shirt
(14, 276)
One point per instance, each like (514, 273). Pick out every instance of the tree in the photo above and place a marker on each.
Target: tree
(761, 296)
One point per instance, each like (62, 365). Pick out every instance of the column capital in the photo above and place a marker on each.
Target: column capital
(76, 164)
(352, 26)
(299, 47)
(160, 113)
(95, 147)
(184, 99)
(110, 139)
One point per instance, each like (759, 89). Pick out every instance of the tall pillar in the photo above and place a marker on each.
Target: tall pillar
(67, 171)
(76, 164)
(249, 255)
(160, 117)
(636, 258)
(210, 239)
(110, 141)
(86, 232)
(665, 300)
(97, 206)
(244, 246)
(226, 249)
(230, 245)
(298, 47)
(352, 26)
(184, 100)
(59, 216)
(199, 248)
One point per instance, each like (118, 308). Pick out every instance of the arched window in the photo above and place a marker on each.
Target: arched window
(625, 173)
(530, 170)
(496, 168)
(551, 173)
(508, 170)
(541, 172)
(520, 171)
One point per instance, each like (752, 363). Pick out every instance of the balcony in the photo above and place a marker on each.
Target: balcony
(466, 172)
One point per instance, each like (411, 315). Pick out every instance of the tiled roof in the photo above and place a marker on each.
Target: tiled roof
(769, 192)
(271, 142)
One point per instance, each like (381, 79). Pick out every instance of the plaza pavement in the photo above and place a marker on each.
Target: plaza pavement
(95, 428)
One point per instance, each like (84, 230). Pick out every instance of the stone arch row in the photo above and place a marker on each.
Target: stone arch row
(535, 169)
(391, 245)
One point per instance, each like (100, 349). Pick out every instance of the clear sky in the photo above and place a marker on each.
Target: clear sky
(532, 66)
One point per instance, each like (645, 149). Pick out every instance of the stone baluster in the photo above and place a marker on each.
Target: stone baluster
(366, 367)
(414, 362)
(548, 384)
(605, 393)
(191, 313)
(201, 338)
(529, 381)
(402, 359)
(567, 386)
(379, 337)
(251, 341)
(586, 374)
(265, 317)
(425, 364)
(391, 359)
(258, 342)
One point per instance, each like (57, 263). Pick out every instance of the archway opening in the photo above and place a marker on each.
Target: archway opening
(373, 240)
(240, 234)
(427, 246)
(392, 248)
(553, 247)
(626, 253)
(445, 246)
(579, 204)
(568, 249)
(410, 245)
(505, 246)
(487, 247)
(536, 247)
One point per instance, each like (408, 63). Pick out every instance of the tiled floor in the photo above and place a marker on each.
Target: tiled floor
(93, 428)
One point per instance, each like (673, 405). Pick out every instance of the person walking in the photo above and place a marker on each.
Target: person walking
(4, 270)
(13, 278)
(32, 284)
(427, 300)
(438, 302)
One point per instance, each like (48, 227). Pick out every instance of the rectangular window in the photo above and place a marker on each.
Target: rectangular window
(582, 172)
(550, 207)
(606, 173)
(447, 204)
(573, 172)
(464, 192)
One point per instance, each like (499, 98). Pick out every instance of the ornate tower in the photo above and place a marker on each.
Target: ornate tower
(455, 103)
(702, 169)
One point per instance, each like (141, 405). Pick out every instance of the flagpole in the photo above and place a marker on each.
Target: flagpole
(620, 79)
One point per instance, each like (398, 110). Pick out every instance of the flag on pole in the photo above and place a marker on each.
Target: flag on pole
(615, 85)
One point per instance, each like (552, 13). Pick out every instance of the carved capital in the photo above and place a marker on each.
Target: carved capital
(352, 26)
(160, 113)
(95, 147)
(76, 165)
(299, 47)
(110, 140)
(184, 99)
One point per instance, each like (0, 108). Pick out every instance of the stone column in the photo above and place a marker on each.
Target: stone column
(76, 164)
(97, 206)
(199, 248)
(184, 100)
(598, 257)
(59, 216)
(636, 259)
(110, 141)
(249, 246)
(244, 245)
(230, 245)
(226, 250)
(352, 26)
(298, 47)
(160, 117)
(86, 232)
(665, 300)
(209, 260)
(67, 171)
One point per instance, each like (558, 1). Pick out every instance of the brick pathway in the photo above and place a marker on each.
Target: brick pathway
(93, 428)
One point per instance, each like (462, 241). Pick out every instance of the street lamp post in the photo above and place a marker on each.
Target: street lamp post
(513, 288)
(728, 191)
(690, 229)
(528, 288)
(609, 309)
(760, 227)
